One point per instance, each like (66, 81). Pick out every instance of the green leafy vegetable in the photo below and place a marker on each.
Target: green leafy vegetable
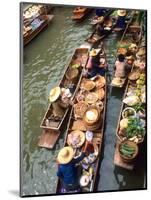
(134, 128)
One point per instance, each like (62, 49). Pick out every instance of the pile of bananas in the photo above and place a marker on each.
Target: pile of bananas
(140, 83)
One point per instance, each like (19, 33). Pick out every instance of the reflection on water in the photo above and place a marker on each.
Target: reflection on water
(45, 59)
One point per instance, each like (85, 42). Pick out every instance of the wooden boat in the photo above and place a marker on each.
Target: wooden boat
(80, 12)
(30, 34)
(31, 27)
(97, 140)
(95, 38)
(118, 161)
(80, 56)
(97, 20)
(128, 38)
(51, 134)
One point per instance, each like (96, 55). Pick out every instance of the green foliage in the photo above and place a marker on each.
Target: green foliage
(134, 128)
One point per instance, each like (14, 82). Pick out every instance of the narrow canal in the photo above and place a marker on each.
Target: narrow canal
(44, 61)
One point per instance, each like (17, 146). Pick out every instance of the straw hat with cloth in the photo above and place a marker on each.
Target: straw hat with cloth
(65, 155)
(54, 94)
(121, 13)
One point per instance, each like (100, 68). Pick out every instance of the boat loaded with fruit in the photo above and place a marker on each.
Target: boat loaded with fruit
(35, 19)
(126, 53)
(85, 130)
(61, 97)
(131, 128)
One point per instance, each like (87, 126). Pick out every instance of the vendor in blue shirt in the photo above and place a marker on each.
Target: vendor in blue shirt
(121, 19)
(67, 169)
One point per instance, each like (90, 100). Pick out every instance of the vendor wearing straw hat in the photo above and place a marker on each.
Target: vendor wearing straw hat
(94, 66)
(67, 170)
(54, 94)
(121, 19)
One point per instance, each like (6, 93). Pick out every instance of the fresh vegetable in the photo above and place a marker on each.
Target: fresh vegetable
(139, 107)
(127, 150)
(134, 128)
(128, 112)
(124, 123)
(140, 84)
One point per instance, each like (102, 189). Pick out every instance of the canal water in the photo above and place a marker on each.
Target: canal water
(44, 61)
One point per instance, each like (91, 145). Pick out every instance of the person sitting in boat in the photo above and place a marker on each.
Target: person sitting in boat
(104, 28)
(129, 61)
(95, 65)
(120, 69)
(121, 20)
(67, 169)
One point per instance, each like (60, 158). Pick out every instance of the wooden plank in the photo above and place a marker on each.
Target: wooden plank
(48, 138)
(119, 162)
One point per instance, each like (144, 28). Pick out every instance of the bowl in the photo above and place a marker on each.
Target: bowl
(128, 112)
(128, 155)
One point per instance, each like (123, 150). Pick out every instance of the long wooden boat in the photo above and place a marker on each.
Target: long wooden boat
(80, 57)
(31, 27)
(95, 38)
(118, 161)
(126, 40)
(80, 12)
(30, 34)
(51, 134)
(97, 20)
(97, 141)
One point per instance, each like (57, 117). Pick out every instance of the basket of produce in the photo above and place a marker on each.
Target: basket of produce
(76, 139)
(134, 75)
(81, 95)
(128, 151)
(72, 73)
(121, 50)
(100, 82)
(135, 131)
(133, 48)
(80, 109)
(91, 115)
(128, 112)
(87, 84)
(78, 125)
(100, 93)
(91, 98)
